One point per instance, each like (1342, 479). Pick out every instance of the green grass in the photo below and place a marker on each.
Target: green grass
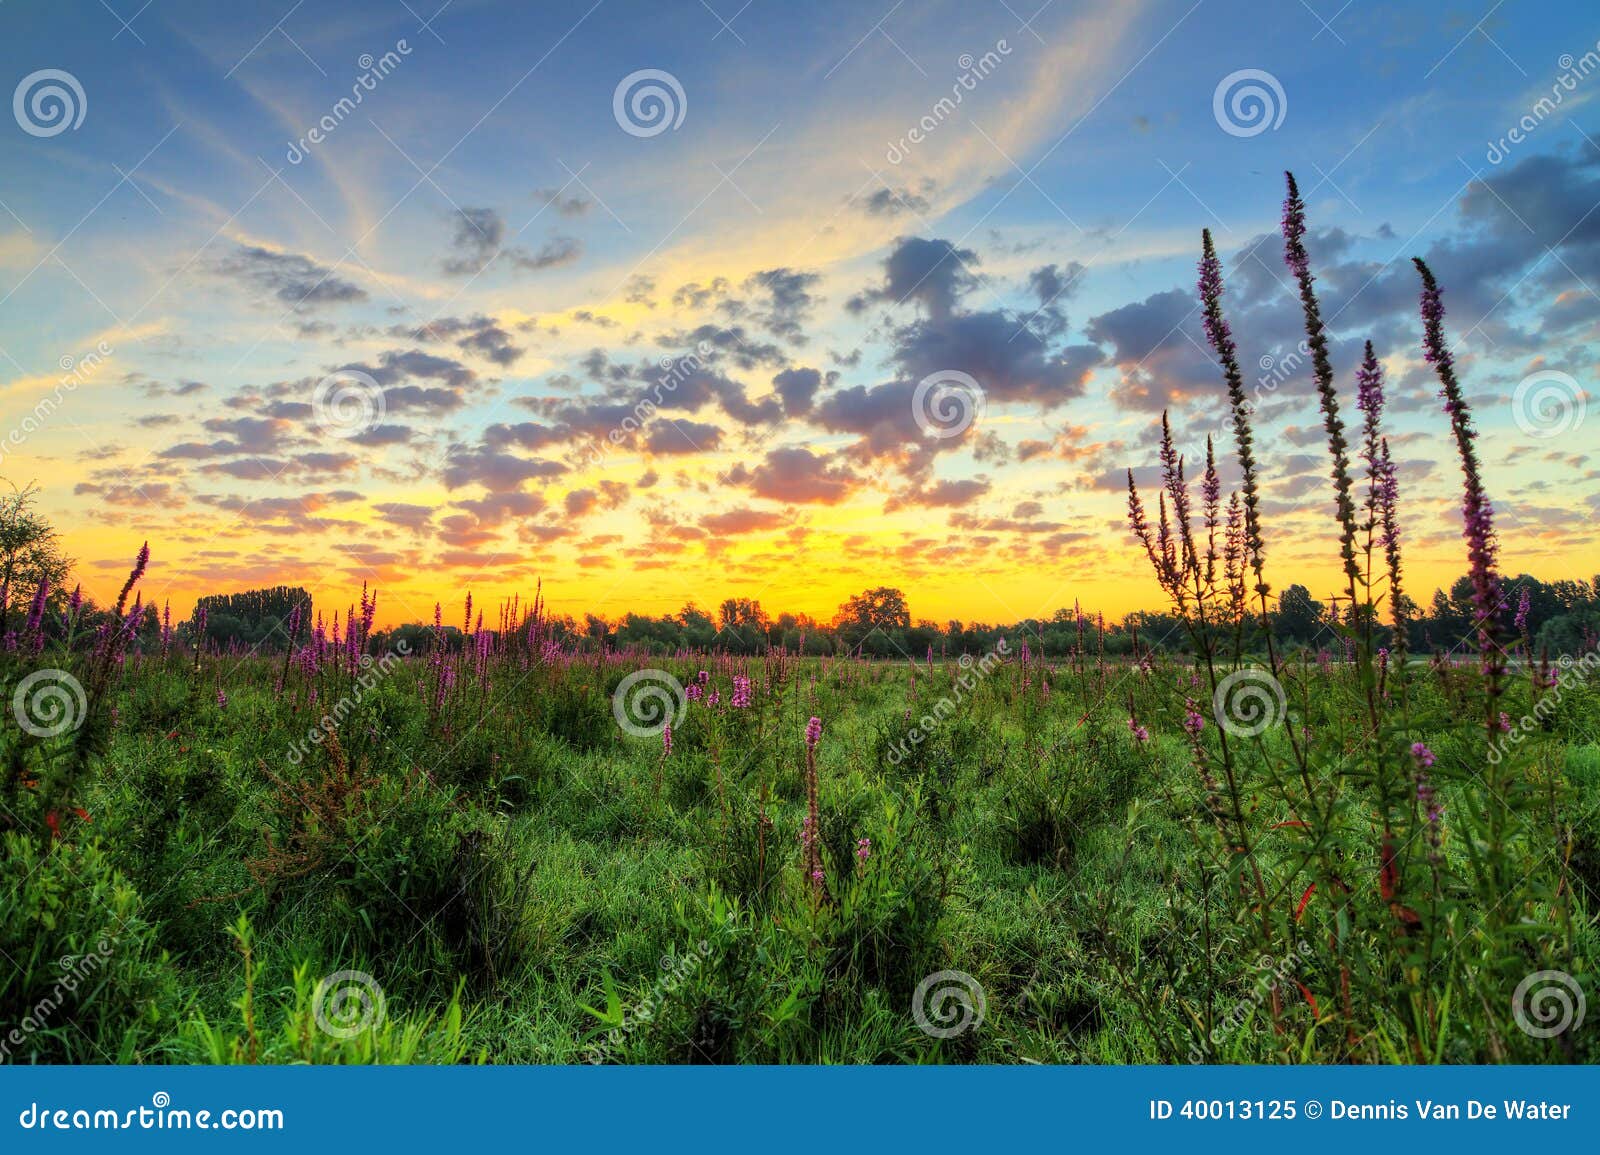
(527, 884)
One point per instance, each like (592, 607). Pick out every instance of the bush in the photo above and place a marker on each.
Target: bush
(83, 980)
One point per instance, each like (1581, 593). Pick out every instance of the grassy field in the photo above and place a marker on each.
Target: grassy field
(502, 848)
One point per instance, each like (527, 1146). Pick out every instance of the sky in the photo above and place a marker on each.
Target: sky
(673, 302)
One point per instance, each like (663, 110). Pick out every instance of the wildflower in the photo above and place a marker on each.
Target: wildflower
(1424, 757)
(741, 692)
(1521, 622)
(1477, 513)
(222, 699)
(813, 733)
(1294, 229)
(1505, 722)
(1140, 734)
(863, 848)
(1221, 339)
(693, 692)
(1193, 722)
(666, 739)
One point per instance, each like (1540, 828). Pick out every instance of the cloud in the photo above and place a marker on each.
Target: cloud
(674, 437)
(740, 521)
(894, 202)
(933, 273)
(479, 238)
(293, 278)
(494, 470)
(795, 474)
(797, 389)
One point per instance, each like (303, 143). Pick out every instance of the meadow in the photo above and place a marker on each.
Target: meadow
(523, 846)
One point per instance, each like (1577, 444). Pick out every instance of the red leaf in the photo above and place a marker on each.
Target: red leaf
(1304, 898)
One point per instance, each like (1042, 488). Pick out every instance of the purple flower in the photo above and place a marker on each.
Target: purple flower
(1294, 232)
(1424, 757)
(813, 733)
(1522, 611)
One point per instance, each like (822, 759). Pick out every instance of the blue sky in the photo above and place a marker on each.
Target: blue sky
(484, 242)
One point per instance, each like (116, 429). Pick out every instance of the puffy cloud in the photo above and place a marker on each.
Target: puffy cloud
(795, 474)
(293, 278)
(934, 273)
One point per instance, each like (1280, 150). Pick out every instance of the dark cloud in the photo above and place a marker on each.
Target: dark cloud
(740, 521)
(293, 278)
(942, 494)
(894, 202)
(495, 470)
(798, 475)
(479, 334)
(676, 437)
(933, 273)
(797, 389)
(479, 238)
